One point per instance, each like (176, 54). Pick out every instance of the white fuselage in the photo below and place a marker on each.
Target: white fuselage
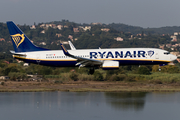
(125, 56)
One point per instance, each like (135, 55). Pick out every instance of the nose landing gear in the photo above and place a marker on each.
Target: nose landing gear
(159, 68)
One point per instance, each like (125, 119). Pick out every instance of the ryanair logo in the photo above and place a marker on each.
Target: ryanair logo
(121, 54)
(150, 53)
(18, 39)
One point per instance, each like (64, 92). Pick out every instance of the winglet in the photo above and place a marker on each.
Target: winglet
(64, 50)
(72, 46)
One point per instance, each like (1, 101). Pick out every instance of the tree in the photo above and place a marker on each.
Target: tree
(74, 76)
(17, 75)
(170, 69)
(143, 70)
(166, 69)
(98, 76)
(11, 68)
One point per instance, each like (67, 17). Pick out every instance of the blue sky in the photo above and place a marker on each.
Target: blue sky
(143, 13)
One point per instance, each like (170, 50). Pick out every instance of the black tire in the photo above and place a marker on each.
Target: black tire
(91, 71)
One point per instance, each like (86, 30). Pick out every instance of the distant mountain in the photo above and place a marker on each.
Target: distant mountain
(127, 28)
(136, 30)
(164, 30)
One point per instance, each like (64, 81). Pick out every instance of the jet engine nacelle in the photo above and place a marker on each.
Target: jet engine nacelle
(109, 65)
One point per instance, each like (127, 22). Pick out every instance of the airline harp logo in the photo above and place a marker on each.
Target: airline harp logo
(18, 39)
(150, 53)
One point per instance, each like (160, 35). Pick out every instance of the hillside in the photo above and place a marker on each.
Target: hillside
(136, 30)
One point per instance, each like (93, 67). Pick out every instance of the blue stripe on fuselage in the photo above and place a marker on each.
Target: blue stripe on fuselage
(140, 62)
(73, 63)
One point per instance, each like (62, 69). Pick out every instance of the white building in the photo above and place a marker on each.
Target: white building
(33, 27)
(105, 29)
(175, 33)
(42, 43)
(60, 27)
(43, 31)
(85, 28)
(119, 39)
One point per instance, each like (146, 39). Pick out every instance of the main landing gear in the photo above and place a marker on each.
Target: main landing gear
(91, 70)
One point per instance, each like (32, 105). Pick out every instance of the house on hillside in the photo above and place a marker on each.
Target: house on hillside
(96, 23)
(161, 46)
(43, 31)
(176, 33)
(59, 27)
(70, 37)
(33, 27)
(175, 53)
(119, 39)
(85, 28)
(65, 26)
(174, 38)
(58, 35)
(168, 45)
(42, 43)
(65, 42)
(43, 25)
(75, 30)
(105, 29)
(2, 39)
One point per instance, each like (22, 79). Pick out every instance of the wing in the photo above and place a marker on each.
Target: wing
(82, 61)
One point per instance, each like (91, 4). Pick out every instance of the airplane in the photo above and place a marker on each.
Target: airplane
(107, 59)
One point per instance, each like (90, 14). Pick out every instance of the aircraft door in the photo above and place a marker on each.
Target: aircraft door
(38, 58)
(157, 55)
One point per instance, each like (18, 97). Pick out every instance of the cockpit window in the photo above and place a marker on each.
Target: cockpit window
(166, 53)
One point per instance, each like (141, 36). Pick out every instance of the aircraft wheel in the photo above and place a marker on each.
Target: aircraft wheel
(91, 71)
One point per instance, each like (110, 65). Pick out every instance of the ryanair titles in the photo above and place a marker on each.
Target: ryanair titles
(120, 54)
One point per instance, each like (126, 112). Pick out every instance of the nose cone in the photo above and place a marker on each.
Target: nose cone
(173, 57)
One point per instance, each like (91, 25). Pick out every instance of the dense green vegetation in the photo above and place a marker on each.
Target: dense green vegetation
(168, 74)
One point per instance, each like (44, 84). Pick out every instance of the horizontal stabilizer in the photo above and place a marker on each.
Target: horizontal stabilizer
(19, 54)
